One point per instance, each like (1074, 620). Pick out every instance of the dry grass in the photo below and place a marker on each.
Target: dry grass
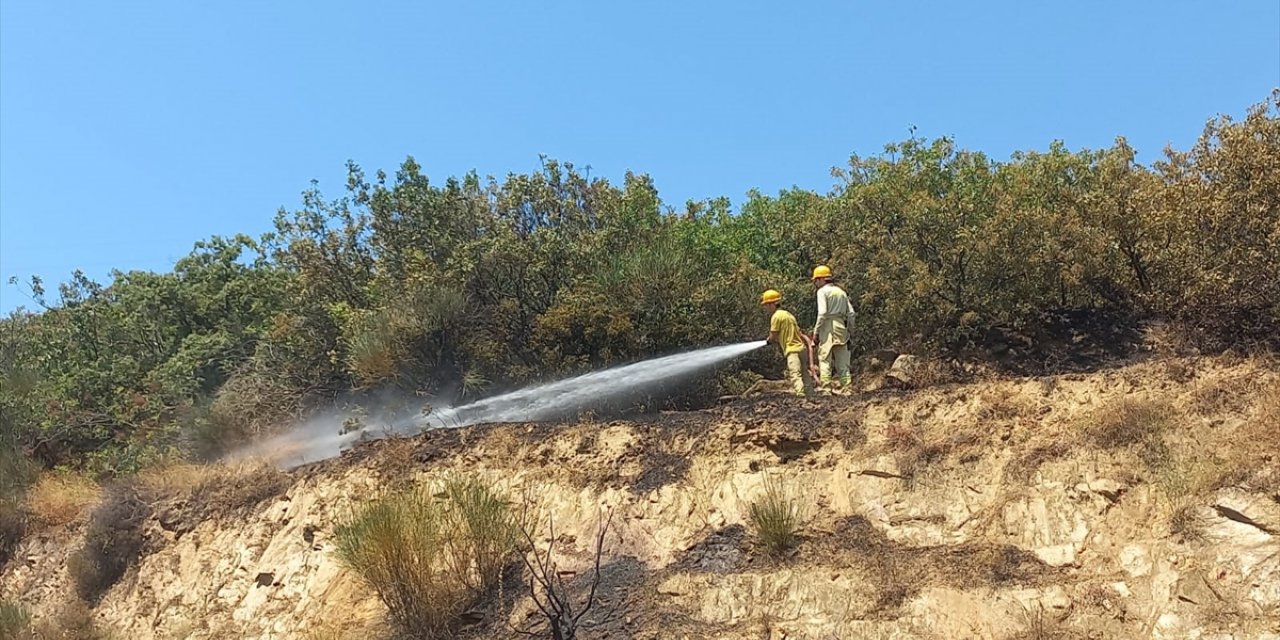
(899, 572)
(220, 488)
(1266, 417)
(1128, 422)
(329, 631)
(1184, 525)
(1002, 403)
(931, 372)
(57, 499)
(74, 621)
(776, 518)
(1039, 625)
(430, 555)
(1024, 466)
(914, 453)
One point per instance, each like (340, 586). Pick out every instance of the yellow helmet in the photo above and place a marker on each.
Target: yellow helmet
(821, 271)
(770, 296)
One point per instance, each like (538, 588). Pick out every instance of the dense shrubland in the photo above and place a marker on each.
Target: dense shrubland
(467, 286)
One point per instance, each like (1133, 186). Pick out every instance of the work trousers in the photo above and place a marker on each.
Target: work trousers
(796, 371)
(833, 355)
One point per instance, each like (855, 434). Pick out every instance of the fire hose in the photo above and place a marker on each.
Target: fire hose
(810, 342)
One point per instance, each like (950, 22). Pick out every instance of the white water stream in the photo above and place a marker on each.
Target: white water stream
(321, 437)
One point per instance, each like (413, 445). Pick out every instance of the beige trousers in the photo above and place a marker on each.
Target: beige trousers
(833, 355)
(796, 371)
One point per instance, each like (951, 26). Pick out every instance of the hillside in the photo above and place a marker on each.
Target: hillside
(1136, 502)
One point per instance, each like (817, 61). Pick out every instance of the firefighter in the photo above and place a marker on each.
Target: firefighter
(831, 330)
(785, 332)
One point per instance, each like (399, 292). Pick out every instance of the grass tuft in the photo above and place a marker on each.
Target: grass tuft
(1041, 626)
(776, 518)
(430, 555)
(1129, 422)
(15, 620)
(216, 488)
(73, 621)
(1184, 525)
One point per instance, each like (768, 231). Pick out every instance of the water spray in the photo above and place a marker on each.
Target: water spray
(322, 437)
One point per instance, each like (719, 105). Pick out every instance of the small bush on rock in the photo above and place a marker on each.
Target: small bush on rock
(428, 555)
(776, 518)
(15, 620)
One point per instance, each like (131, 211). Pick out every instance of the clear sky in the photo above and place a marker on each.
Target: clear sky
(130, 130)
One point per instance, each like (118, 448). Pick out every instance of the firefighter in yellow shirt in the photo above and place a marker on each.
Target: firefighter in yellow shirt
(785, 332)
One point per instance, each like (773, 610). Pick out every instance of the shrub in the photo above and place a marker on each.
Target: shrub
(429, 558)
(112, 542)
(739, 383)
(16, 471)
(488, 531)
(555, 271)
(73, 621)
(16, 474)
(13, 525)
(60, 498)
(15, 620)
(776, 518)
(249, 405)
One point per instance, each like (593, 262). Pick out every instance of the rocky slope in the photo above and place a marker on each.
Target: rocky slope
(1013, 508)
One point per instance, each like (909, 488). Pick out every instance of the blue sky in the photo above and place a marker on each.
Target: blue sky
(130, 130)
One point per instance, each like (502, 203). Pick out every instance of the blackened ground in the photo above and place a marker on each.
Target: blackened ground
(790, 428)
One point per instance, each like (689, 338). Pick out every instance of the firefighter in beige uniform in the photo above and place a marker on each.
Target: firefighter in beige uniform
(835, 320)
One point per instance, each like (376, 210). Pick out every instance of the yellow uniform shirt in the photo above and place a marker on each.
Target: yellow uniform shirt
(784, 324)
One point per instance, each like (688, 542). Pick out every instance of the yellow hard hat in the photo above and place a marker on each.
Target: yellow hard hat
(821, 271)
(770, 296)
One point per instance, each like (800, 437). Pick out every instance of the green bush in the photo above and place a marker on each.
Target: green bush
(430, 555)
(13, 526)
(463, 286)
(17, 473)
(15, 620)
(776, 518)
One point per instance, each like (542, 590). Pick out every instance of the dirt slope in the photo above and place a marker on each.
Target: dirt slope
(1018, 508)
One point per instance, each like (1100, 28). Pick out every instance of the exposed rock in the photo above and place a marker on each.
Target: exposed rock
(903, 370)
(1193, 588)
(1135, 560)
(962, 550)
(1062, 555)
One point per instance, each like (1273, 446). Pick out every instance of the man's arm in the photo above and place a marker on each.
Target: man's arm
(822, 311)
(848, 324)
